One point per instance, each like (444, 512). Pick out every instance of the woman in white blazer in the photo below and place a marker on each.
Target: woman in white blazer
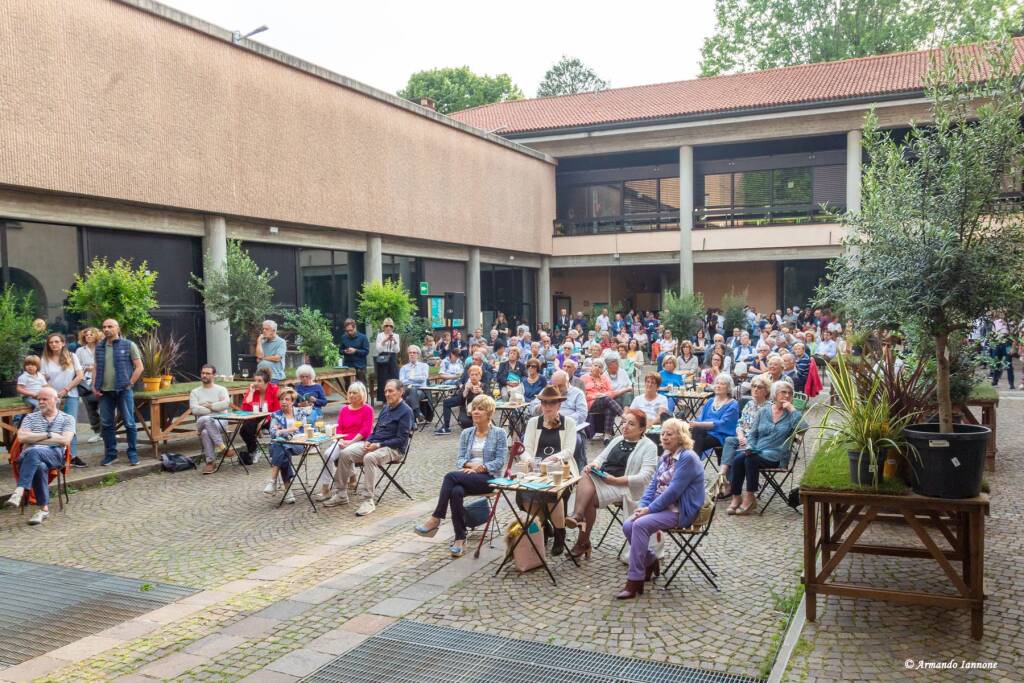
(552, 437)
(620, 474)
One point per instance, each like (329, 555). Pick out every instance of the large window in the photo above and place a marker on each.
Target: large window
(798, 281)
(771, 196)
(618, 206)
(330, 282)
(508, 290)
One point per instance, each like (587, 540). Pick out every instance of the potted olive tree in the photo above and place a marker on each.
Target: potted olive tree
(313, 336)
(17, 311)
(935, 247)
(119, 291)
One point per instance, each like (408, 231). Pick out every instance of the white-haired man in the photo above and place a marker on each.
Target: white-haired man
(44, 435)
(270, 351)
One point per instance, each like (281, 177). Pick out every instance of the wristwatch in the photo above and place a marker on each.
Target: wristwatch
(49, 435)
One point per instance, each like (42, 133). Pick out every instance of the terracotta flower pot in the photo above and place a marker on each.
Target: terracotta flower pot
(151, 383)
(165, 381)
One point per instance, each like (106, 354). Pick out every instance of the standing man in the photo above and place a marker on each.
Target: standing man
(385, 445)
(44, 435)
(204, 400)
(564, 321)
(355, 347)
(118, 368)
(270, 351)
(603, 323)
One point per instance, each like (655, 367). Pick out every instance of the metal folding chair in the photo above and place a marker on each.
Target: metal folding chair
(776, 477)
(688, 542)
(390, 471)
(515, 449)
(617, 514)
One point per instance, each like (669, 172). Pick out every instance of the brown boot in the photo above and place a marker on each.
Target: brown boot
(209, 468)
(558, 545)
(581, 549)
(654, 569)
(631, 590)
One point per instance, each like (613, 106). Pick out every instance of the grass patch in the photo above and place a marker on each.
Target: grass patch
(984, 391)
(145, 588)
(785, 604)
(830, 470)
(185, 387)
(109, 480)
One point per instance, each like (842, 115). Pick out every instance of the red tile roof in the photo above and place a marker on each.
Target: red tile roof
(849, 79)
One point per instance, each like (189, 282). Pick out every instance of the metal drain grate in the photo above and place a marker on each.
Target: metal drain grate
(412, 652)
(44, 607)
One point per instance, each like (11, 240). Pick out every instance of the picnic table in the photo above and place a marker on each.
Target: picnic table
(11, 408)
(985, 397)
(836, 516)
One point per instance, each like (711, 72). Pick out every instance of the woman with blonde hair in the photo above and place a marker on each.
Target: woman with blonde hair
(63, 372)
(86, 352)
(672, 500)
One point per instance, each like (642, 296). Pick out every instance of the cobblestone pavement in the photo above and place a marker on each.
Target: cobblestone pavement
(859, 640)
(287, 589)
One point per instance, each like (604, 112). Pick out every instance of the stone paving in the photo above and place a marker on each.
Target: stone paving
(286, 589)
(860, 640)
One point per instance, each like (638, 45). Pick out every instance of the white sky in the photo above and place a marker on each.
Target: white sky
(382, 42)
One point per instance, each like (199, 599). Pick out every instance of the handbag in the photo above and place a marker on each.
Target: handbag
(383, 358)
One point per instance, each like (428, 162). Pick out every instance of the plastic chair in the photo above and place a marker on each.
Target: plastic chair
(60, 474)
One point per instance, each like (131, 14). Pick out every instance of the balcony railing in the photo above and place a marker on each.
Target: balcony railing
(703, 217)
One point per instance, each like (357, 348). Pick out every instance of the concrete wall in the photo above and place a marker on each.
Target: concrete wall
(759, 278)
(101, 99)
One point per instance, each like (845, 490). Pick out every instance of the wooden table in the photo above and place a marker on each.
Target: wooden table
(834, 521)
(988, 419)
(555, 494)
(9, 409)
(333, 380)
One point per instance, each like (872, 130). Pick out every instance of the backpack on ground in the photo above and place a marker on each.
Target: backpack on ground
(176, 462)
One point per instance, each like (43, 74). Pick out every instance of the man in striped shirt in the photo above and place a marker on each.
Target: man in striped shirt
(44, 435)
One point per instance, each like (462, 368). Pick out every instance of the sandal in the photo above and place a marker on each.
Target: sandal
(425, 532)
(749, 510)
(457, 550)
(731, 510)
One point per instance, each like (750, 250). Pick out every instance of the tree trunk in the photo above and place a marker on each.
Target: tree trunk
(942, 384)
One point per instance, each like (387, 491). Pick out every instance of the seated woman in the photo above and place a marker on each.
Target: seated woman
(768, 443)
(483, 450)
(311, 394)
(634, 352)
(700, 345)
(759, 388)
(626, 466)
(552, 437)
(714, 369)
(686, 361)
(759, 363)
(653, 404)
(284, 424)
(355, 423)
(262, 397)
(672, 500)
(511, 373)
(602, 407)
(534, 381)
(718, 417)
(669, 376)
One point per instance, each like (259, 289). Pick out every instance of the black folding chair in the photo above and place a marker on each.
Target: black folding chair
(390, 471)
(776, 477)
(615, 510)
(688, 541)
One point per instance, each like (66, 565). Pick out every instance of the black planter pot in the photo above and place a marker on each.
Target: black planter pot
(949, 465)
(245, 362)
(316, 361)
(8, 388)
(861, 472)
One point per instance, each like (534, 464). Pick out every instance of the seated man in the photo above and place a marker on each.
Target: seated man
(826, 347)
(413, 376)
(622, 385)
(44, 435)
(388, 439)
(451, 367)
(205, 399)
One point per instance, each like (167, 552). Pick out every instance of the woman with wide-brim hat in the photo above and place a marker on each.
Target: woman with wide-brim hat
(385, 362)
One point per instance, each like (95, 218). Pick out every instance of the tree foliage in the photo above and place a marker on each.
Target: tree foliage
(456, 88)
(313, 332)
(569, 76)
(387, 299)
(121, 292)
(17, 312)
(732, 311)
(762, 34)
(935, 246)
(238, 291)
(682, 312)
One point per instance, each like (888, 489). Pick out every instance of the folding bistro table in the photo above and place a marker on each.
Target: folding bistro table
(552, 494)
(237, 418)
(313, 443)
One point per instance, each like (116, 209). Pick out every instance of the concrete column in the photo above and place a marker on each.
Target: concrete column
(686, 217)
(473, 306)
(218, 334)
(544, 292)
(853, 171)
(374, 262)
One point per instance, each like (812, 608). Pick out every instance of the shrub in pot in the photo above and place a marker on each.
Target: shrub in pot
(313, 336)
(934, 246)
(17, 311)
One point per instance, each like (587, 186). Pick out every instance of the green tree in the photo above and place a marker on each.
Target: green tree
(934, 246)
(682, 312)
(388, 299)
(121, 292)
(17, 312)
(238, 291)
(456, 88)
(732, 310)
(569, 76)
(313, 334)
(762, 34)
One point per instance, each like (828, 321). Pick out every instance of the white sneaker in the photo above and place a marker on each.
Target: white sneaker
(365, 508)
(271, 488)
(338, 498)
(15, 499)
(323, 496)
(289, 497)
(38, 517)
(95, 438)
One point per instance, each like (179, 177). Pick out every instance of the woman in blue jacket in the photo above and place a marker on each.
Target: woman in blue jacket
(672, 499)
(483, 450)
(718, 417)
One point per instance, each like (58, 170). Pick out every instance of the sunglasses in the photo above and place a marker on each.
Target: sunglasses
(550, 403)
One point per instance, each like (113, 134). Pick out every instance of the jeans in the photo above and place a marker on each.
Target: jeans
(454, 488)
(1001, 354)
(211, 435)
(112, 402)
(638, 532)
(745, 466)
(92, 408)
(453, 401)
(729, 449)
(71, 408)
(281, 457)
(34, 470)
